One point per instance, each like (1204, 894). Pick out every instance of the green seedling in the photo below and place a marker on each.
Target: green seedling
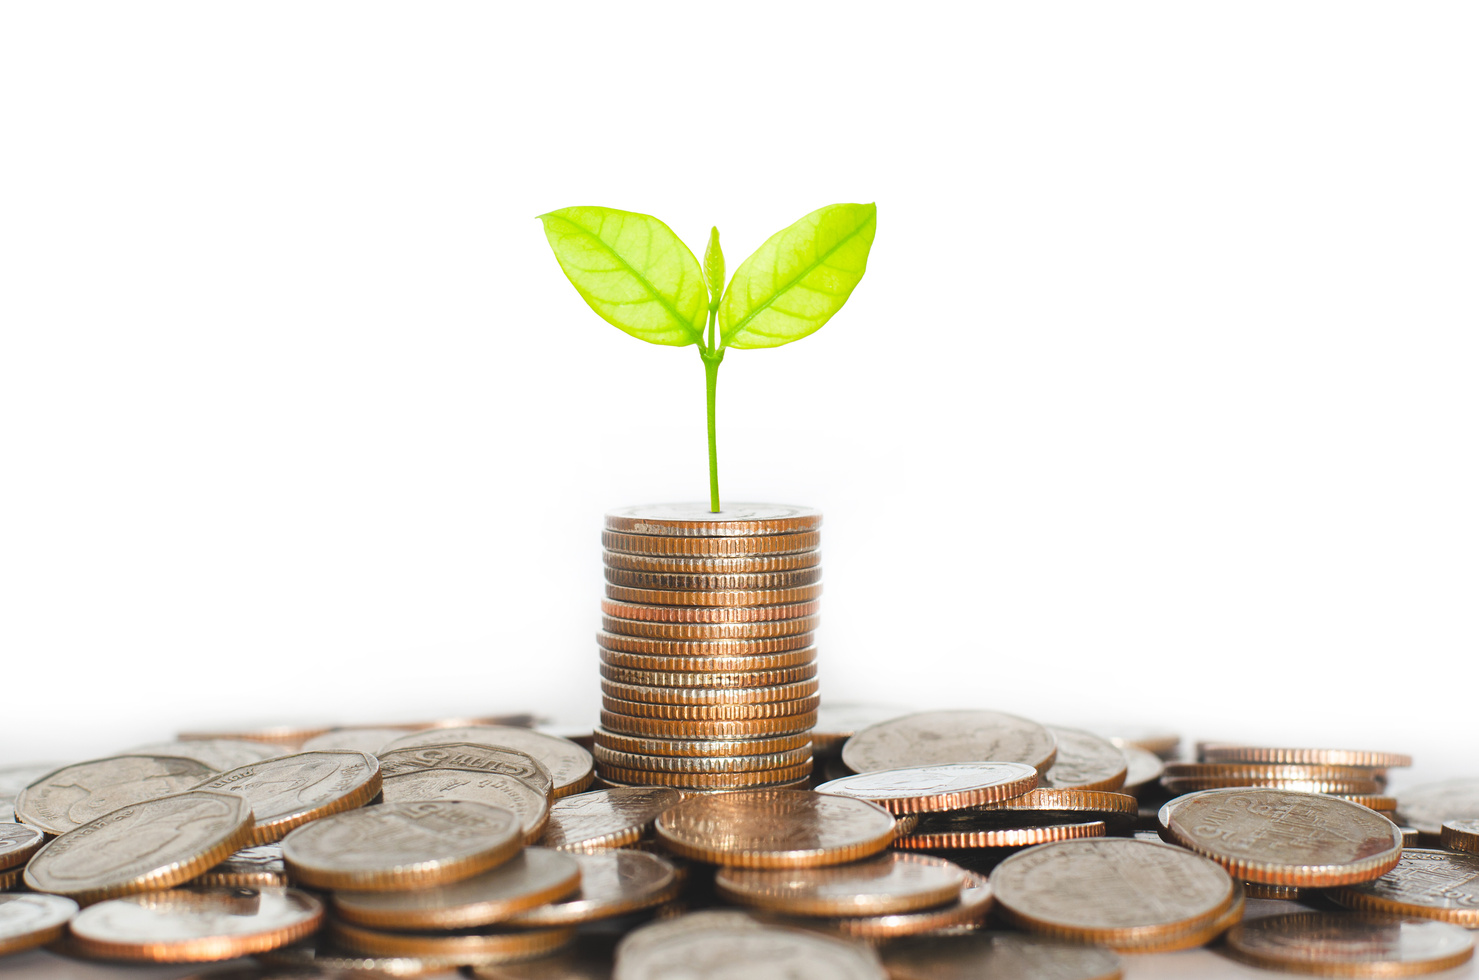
(640, 278)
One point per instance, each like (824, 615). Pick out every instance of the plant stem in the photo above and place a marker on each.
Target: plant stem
(712, 359)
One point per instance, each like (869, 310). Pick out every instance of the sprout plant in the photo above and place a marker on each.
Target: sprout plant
(640, 278)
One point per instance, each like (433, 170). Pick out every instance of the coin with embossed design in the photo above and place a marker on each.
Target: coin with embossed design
(260, 866)
(571, 767)
(17, 843)
(775, 829)
(1085, 761)
(496, 789)
(965, 913)
(466, 947)
(946, 786)
(884, 885)
(193, 925)
(950, 736)
(1426, 807)
(218, 753)
(142, 847)
(471, 757)
(838, 721)
(1331, 944)
(606, 818)
(1004, 955)
(28, 921)
(612, 883)
(370, 740)
(292, 790)
(1430, 884)
(724, 945)
(74, 795)
(402, 845)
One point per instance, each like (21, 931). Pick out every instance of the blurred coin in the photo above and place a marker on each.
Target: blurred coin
(7, 810)
(711, 565)
(1429, 884)
(1257, 770)
(1309, 757)
(706, 678)
(1426, 807)
(699, 521)
(531, 878)
(772, 694)
(709, 631)
(1179, 787)
(946, 786)
(591, 957)
(570, 766)
(1344, 945)
(509, 792)
(143, 847)
(17, 843)
(720, 945)
(838, 721)
(706, 615)
(290, 737)
(1085, 761)
(712, 712)
(1277, 837)
(319, 957)
(468, 947)
(13, 779)
(1003, 955)
(612, 883)
(1282, 893)
(701, 747)
(747, 652)
(1121, 893)
(1457, 835)
(370, 740)
(218, 753)
(10, 879)
(710, 547)
(28, 921)
(1410, 836)
(950, 736)
(705, 780)
(74, 795)
(192, 925)
(1144, 768)
(606, 818)
(251, 867)
(708, 729)
(1384, 804)
(717, 582)
(956, 831)
(397, 846)
(726, 763)
(775, 829)
(737, 597)
(965, 913)
(471, 757)
(291, 790)
(883, 885)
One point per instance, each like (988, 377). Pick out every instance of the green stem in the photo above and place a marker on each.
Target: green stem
(712, 360)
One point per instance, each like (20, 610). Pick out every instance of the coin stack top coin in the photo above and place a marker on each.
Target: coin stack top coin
(707, 664)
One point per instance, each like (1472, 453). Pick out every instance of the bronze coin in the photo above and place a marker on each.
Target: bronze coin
(979, 955)
(612, 883)
(291, 790)
(712, 650)
(1344, 945)
(195, 925)
(938, 832)
(712, 565)
(945, 786)
(1429, 884)
(709, 729)
(723, 763)
(717, 582)
(1085, 761)
(775, 829)
(708, 748)
(884, 885)
(792, 692)
(725, 597)
(710, 547)
(710, 631)
(709, 679)
(965, 913)
(606, 818)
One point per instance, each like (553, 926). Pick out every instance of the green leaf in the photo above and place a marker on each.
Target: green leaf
(632, 270)
(714, 268)
(799, 278)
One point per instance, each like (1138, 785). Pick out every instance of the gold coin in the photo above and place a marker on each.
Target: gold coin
(612, 883)
(801, 659)
(712, 650)
(1461, 835)
(1329, 944)
(705, 780)
(396, 846)
(606, 818)
(1194, 936)
(1429, 884)
(717, 582)
(195, 925)
(687, 791)
(712, 565)
(654, 544)
(704, 748)
(708, 678)
(17, 843)
(494, 788)
(1177, 787)
(1277, 837)
(709, 696)
(775, 829)
(766, 598)
(685, 764)
(709, 615)
(529, 879)
(933, 834)
(1309, 757)
(470, 948)
(260, 866)
(713, 712)
(1242, 770)
(1085, 761)
(28, 921)
(946, 786)
(711, 729)
(884, 885)
(966, 912)
(292, 790)
(697, 520)
(710, 631)
(146, 846)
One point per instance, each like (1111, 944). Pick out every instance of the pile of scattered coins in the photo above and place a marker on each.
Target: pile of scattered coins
(708, 673)
(932, 846)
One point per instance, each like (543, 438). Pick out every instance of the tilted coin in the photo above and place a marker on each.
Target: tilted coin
(531, 878)
(951, 832)
(590, 957)
(1066, 805)
(883, 885)
(946, 786)
(509, 792)
(698, 520)
(710, 631)
(707, 729)
(1343, 945)
(1426, 807)
(717, 582)
(142, 847)
(725, 547)
(1005, 955)
(790, 692)
(1278, 837)
(28, 921)
(260, 866)
(472, 757)
(290, 737)
(775, 829)
(606, 818)
(370, 740)
(711, 564)
(1308, 757)
(654, 652)
(1121, 893)
(730, 945)
(1085, 761)
(1457, 835)
(402, 845)
(655, 665)
(570, 766)
(1144, 768)
(1157, 742)
(1430, 884)
(193, 925)
(737, 597)
(218, 753)
(705, 780)
(950, 736)
(703, 747)
(724, 763)
(17, 843)
(74, 795)
(468, 947)
(838, 721)
(712, 712)
(706, 678)
(10, 879)
(612, 883)
(965, 913)
(706, 615)
(292, 790)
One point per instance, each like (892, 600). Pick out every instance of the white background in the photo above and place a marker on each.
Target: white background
(1157, 403)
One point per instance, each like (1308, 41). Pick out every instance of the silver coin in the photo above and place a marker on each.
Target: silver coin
(1426, 807)
(74, 795)
(1342, 944)
(370, 740)
(470, 756)
(28, 921)
(319, 958)
(1428, 883)
(218, 753)
(17, 843)
(723, 945)
(196, 924)
(950, 736)
(1085, 761)
(291, 790)
(571, 767)
(612, 883)
(13, 779)
(496, 789)
(997, 956)
(1144, 768)
(260, 866)
(942, 786)
(606, 817)
(592, 957)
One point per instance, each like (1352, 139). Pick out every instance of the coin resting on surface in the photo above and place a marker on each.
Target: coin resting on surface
(531, 878)
(686, 764)
(1085, 761)
(1347, 945)
(1457, 835)
(470, 947)
(945, 786)
(938, 832)
(187, 925)
(1003, 955)
(570, 767)
(529, 804)
(218, 753)
(712, 728)
(402, 845)
(699, 520)
(775, 829)
(291, 790)
(28, 921)
(1426, 807)
(1310, 757)
(612, 883)
(710, 547)
(317, 958)
(606, 818)
(950, 736)
(590, 957)
(966, 912)
(74, 795)
(260, 866)
(471, 757)
(370, 740)
(883, 885)
(1429, 884)
(793, 648)
(711, 564)
(700, 747)
(142, 847)
(1143, 769)
(720, 945)
(17, 843)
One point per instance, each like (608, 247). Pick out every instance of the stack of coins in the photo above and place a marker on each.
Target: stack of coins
(708, 677)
